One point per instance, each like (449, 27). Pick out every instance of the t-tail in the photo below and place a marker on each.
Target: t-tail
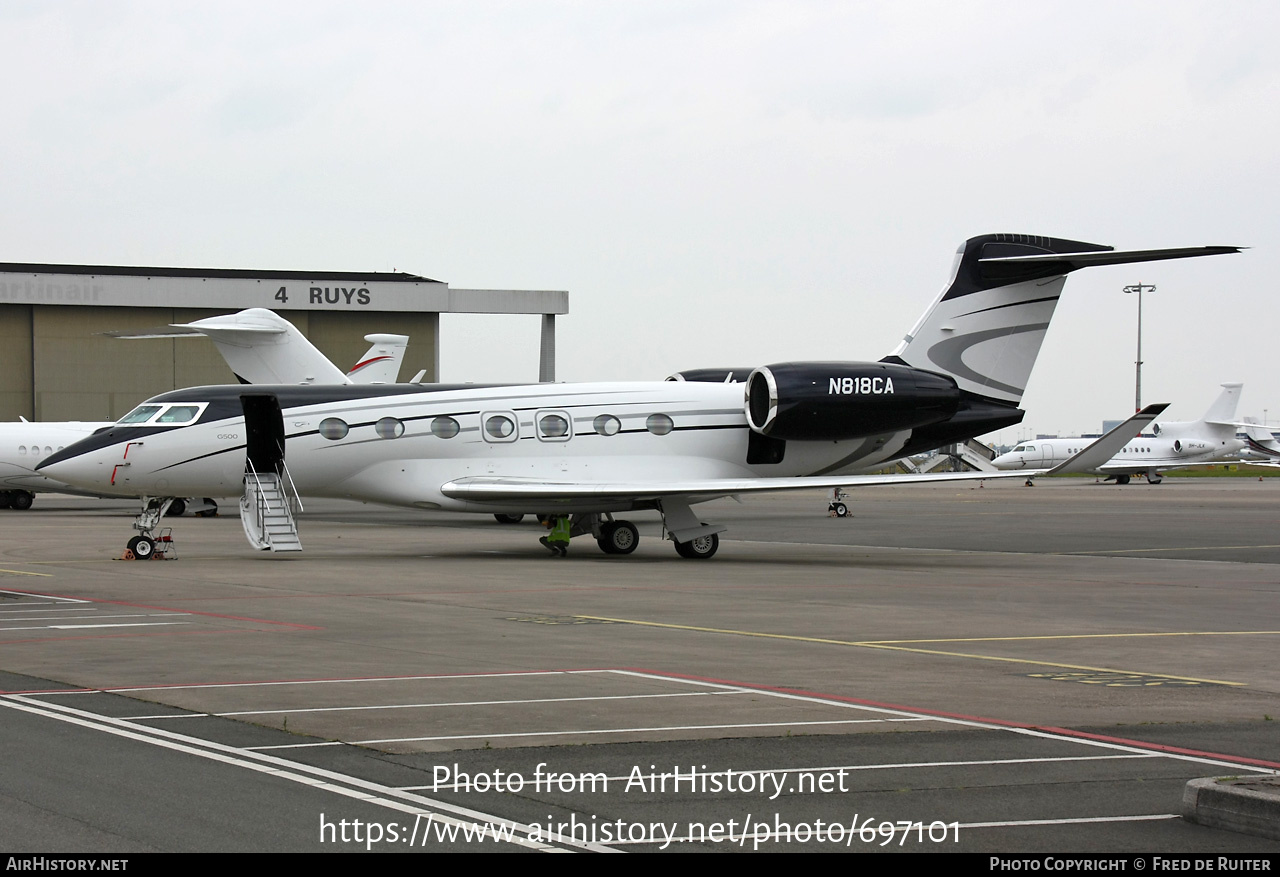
(381, 365)
(1223, 410)
(986, 327)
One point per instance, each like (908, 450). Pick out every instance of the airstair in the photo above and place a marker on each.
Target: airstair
(269, 508)
(959, 457)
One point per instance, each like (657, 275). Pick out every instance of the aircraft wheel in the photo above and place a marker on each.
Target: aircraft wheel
(1154, 479)
(142, 547)
(618, 537)
(841, 510)
(211, 512)
(1122, 479)
(6, 499)
(22, 500)
(176, 508)
(508, 519)
(700, 548)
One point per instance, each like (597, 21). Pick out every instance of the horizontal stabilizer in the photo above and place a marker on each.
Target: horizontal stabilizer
(1072, 261)
(1101, 451)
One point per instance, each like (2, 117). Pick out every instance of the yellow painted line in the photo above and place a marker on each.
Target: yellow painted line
(1002, 639)
(18, 572)
(898, 648)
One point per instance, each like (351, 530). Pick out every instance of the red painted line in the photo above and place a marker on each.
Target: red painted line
(360, 365)
(50, 691)
(1004, 723)
(1175, 750)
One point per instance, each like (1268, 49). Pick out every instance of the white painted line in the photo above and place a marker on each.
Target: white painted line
(313, 777)
(850, 768)
(7, 610)
(367, 680)
(772, 838)
(41, 596)
(407, 706)
(84, 626)
(96, 615)
(1082, 820)
(577, 732)
(968, 723)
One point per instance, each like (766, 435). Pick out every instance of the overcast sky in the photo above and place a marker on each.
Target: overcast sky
(729, 183)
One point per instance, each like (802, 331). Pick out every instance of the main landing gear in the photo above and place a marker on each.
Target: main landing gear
(618, 537)
(19, 500)
(693, 539)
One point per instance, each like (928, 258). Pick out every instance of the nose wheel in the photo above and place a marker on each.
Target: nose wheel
(142, 547)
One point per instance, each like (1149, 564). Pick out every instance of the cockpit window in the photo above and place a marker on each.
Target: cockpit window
(179, 414)
(141, 414)
(184, 412)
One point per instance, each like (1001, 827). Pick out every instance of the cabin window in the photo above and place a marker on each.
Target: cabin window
(444, 427)
(606, 424)
(334, 428)
(389, 428)
(659, 424)
(500, 427)
(141, 414)
(553, 426)
(22, 449)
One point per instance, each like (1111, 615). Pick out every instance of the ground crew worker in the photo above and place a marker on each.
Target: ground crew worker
(557, 541)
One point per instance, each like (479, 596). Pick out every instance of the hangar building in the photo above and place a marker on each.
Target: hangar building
(55, 365)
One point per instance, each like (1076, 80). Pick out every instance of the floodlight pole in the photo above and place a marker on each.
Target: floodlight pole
(1139, 288)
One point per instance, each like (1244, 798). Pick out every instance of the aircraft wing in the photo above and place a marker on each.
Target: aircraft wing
(498, 488)
(1098, 454)
(493, 488)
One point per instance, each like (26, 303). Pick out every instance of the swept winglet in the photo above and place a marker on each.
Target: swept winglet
(1101, 451)
(381, 365)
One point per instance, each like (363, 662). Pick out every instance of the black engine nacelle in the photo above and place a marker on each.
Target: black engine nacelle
(832, 401)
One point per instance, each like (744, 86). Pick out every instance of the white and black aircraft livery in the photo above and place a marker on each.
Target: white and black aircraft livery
(259, 346)
(594, 450)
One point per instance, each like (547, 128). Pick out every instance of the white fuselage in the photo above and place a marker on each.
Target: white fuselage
(23, 445)
(1178, 444)
(366, 459)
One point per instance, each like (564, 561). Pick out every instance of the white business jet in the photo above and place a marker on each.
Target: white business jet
(591, 451)
(1261, 447)
(259, 346)
(1173, 445)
